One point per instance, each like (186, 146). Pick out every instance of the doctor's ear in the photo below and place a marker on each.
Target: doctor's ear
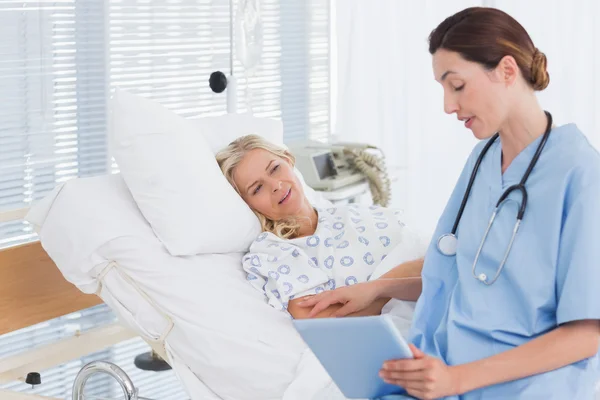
(507, 71)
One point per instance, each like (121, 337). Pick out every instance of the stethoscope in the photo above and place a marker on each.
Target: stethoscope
(448, 242)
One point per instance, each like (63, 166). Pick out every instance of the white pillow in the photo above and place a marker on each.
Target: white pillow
(224, 129)
(169, 166)
(175, 180)
(224, 331)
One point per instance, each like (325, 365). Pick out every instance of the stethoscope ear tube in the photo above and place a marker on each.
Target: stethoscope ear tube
(471, 180)
(508, 191)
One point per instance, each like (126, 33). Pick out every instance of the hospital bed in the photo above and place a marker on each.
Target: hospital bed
(33, 290)
(221, 338)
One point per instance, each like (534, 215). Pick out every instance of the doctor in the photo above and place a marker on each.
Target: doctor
(511, 282)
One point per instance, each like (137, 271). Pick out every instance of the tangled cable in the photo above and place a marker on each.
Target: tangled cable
(375, 170)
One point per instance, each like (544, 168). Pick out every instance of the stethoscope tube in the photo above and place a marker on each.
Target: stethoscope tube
(448, 242)
(520, 187)
(463, 204)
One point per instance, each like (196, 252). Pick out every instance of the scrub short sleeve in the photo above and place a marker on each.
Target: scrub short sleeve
(578, 271)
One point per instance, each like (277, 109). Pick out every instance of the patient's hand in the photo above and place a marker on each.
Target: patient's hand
(359, 299)
(299, 312)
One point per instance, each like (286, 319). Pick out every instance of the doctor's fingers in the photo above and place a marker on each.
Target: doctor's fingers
(309, 301)
(322, 305)
(407, 365)
(416, 376)
(348, 308)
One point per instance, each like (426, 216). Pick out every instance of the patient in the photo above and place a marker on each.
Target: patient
(305, 250)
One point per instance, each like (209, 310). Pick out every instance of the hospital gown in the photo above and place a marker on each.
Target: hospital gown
(348, 244)
(551, 277)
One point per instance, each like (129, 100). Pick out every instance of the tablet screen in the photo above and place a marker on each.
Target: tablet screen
(353, 351)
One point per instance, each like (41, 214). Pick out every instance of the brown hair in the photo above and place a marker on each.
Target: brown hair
(486, 35)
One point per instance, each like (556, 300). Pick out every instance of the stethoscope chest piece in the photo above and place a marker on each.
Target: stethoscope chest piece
(447, 244)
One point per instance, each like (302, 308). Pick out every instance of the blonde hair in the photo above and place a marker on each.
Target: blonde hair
(230, 157)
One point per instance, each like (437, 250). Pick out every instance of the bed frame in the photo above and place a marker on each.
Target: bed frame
(33, 290)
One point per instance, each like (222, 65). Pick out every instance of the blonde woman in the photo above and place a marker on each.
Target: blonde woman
(304, 250)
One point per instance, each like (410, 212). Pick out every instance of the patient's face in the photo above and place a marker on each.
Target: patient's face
(479, 97)
(269, 185)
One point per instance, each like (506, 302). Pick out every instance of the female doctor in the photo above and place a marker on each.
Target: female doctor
(510, 296)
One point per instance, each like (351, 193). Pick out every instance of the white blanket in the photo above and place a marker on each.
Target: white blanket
(221, 337)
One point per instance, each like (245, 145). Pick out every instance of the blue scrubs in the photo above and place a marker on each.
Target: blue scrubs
(551, 277)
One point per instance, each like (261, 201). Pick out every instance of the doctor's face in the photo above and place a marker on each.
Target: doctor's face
(477, 96)
(269, 185)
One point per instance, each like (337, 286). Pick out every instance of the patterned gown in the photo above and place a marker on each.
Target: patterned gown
(349, 243)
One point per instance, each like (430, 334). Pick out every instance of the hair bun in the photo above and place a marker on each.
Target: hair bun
(539, 74)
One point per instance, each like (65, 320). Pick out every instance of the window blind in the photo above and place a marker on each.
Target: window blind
(61, 59)
(59, 62)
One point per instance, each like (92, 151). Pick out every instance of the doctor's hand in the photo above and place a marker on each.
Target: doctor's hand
(423, 377)
(354, 298)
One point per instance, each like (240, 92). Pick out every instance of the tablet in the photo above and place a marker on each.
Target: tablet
(352, 350)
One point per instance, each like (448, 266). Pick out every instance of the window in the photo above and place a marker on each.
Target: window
(59, 62)
(61, 59)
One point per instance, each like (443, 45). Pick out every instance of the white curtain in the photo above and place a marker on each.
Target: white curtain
(568, 32)
(387, 96)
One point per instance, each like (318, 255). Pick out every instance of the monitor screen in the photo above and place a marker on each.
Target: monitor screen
(325, 166)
